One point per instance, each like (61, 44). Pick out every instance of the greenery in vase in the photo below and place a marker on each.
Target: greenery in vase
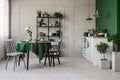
(28, 29)
(102, 48)
(29, 32)
(115, 38)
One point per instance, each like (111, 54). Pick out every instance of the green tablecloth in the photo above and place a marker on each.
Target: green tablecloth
(38, 48)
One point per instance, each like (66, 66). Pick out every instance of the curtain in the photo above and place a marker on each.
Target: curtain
(4, 25)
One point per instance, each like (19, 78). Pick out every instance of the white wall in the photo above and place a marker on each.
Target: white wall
(23, 14)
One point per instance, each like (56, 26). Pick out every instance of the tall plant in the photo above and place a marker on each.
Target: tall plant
(115, 38)
(102, 48)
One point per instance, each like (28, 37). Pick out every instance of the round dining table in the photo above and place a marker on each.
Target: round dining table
(39, 48)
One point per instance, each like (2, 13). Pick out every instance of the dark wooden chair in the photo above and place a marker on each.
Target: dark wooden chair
(54, 52)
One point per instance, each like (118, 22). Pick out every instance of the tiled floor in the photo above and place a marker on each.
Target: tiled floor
(71, 68)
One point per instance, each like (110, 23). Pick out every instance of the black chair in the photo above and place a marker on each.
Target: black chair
(47, 55)
(11, 52)
(54, 52)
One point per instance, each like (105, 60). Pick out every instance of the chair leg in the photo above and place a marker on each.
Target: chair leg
(19, 61)
(24, 61)
(53, 61)
(22, 56)
(39, 61)
(7, 63)
(45, 60)
(58, 59)
(47, 56)
(49, 61)
(15, 59)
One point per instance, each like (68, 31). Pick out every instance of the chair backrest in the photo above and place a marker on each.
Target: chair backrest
(56, 44)
(9, 45)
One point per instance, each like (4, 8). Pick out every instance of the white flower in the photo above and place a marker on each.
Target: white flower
(28, 29)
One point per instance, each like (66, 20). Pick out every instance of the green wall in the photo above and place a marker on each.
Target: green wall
(108, 18)
(118, 17)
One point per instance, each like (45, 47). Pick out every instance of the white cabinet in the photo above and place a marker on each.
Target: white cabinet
(90, 49)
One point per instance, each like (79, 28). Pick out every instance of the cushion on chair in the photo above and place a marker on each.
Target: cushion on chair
(14, 53)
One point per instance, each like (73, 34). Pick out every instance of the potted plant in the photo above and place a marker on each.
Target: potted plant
(100, 31)
(29, 33)
(102, 49)
(45, 14)
(58, 15)
(58, 32)
(39, 13)
(41, 22)
(115, 39)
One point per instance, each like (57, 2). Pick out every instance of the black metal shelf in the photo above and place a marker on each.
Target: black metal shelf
(48, 26)
(47, 17)
(51, 36)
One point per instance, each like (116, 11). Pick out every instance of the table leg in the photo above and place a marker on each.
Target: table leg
(27, 60)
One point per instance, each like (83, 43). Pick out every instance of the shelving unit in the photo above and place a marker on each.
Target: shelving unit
(49, 25)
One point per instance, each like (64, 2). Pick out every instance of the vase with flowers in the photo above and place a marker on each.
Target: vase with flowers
(29, 33)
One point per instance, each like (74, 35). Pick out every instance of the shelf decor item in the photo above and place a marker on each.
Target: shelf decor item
(39, 13)
(115, 39)
(45, 14)
(102, 49)
(58, 15)
(29, 33)
(41, 22)
(101, 32)
(58, 32)
(49, 23)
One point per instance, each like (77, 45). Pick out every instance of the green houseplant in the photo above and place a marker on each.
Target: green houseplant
(57, 32)
(39, 13)
(45, 14)
(115, 39)
(41, 22)
(102, 48)
(101, 31)
(58, 15)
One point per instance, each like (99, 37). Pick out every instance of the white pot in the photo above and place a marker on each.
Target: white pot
(104, 64)
(116, 61)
